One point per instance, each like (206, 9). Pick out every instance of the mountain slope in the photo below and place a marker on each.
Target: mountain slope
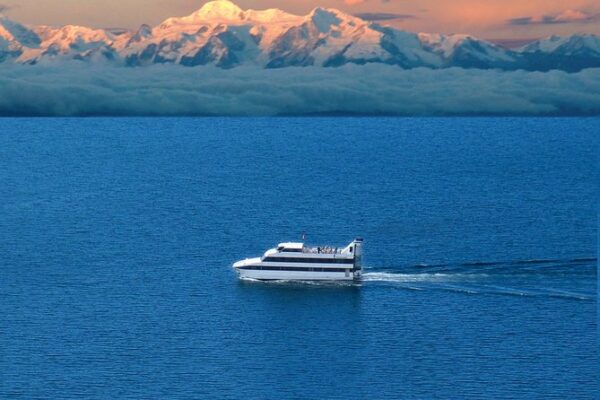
(70, 42)
(570, 53)
(15, 38)
(468, 52)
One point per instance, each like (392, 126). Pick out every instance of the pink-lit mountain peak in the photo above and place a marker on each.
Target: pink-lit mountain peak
(217, 10)
(225, 11)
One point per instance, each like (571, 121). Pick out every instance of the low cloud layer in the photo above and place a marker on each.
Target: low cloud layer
(77, 89)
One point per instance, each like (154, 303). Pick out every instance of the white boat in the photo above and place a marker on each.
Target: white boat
(296, 261)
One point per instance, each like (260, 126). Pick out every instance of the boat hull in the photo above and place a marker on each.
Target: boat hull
(296, 275)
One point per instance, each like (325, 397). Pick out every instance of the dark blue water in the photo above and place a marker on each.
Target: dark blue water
(117, 235)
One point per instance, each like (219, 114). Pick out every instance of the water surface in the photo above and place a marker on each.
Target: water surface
(117, 236)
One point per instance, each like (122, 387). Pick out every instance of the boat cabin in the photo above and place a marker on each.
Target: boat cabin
(290, 247)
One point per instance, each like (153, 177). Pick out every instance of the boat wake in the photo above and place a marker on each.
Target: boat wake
(565, 279)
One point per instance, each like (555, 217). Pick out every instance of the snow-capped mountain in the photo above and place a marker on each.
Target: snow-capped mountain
(222, 34)
(70, 42)
(570, 53)
(14, 37)
(468, 52)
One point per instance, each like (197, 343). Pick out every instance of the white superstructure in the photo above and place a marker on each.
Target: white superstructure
(295, 261)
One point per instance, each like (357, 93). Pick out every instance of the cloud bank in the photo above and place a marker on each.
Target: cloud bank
(77, 89)
(381, 16)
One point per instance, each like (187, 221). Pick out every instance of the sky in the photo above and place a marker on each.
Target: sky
(488, 19)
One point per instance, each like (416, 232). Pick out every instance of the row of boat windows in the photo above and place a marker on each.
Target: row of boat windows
(265, 268)
(309, 260)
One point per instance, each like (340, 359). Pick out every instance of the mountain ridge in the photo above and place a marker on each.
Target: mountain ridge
(222, 34)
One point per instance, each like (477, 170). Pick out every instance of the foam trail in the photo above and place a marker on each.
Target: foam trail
(503, 290)
(567, 294)
(508, 278)
(456, 288)
(495, 267)
(401, 277)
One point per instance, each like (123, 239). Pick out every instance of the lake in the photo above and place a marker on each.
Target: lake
(117, 237)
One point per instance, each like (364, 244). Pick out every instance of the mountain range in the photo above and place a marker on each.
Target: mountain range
(222, 34)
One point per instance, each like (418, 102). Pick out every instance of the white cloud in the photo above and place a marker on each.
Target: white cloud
(573, 16)
(80, 89)
(565, 17)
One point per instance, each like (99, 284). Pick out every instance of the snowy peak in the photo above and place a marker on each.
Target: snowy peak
(325, 18)
(468, 52)
(270, 16)
(213, 11)
(219, 9)
(73, 37)
(224, 11)
(442, 44)
(565, 45)
(567, 53)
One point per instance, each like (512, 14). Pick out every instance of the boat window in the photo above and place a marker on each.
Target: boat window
(350, 249)
(309, 260)
(280, 248)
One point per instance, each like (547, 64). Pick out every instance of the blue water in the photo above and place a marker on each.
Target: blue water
(117, 236)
